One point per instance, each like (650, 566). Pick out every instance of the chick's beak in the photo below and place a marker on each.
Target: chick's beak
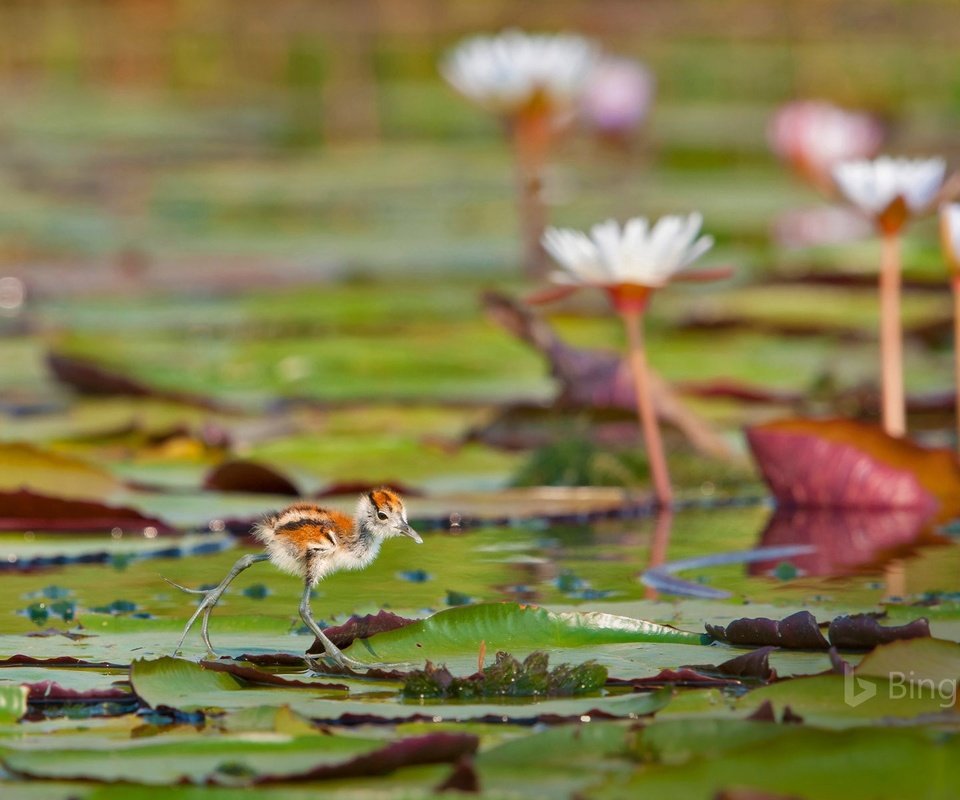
(406, 530)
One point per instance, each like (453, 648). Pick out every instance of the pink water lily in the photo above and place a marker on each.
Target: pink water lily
(813, 136)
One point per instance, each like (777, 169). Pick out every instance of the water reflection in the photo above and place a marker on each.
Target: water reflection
(844, 542)
(659, 543)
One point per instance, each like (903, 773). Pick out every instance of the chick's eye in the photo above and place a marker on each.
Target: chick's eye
(381, 515)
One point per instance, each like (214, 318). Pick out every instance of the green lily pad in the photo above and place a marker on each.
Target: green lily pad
(165, 762)
(684, 760)
(25, 466)
(845, 701)
(914, 660)
(13, 703)
(512, 628)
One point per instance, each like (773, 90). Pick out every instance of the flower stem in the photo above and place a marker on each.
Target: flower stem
(645, 410)
(891, 338)
(531, 137)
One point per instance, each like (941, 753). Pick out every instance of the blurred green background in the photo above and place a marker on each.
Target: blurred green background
(319, 136)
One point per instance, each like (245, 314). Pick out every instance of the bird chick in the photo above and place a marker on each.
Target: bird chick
(312, 542)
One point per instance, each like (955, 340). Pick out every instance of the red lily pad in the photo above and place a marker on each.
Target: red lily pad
(852, 465)
(26, 510)
(249, 477)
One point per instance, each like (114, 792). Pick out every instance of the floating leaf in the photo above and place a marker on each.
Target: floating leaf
(863, 631)
(842, 700)
(510, 627)
(845, 464)
(23, 466)
(361, 628)
(13, 703)
(26, 510)
(249, 477)
(208, 759)
(755, 664)
(90, 378)
(173, 681)
(700, 759)
(798, 631)
(250, 674)
(684, 676)
(434, 748)
(932, 660)
(51, 691)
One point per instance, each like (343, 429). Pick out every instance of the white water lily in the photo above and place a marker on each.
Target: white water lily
(637, 254)
(874, 186)
(507, 72)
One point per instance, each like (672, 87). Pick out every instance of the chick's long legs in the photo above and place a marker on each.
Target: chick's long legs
(211, 597)
(331, 649)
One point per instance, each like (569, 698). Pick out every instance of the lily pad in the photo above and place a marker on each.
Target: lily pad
(511, 628)
(13, 703)
(851, 465)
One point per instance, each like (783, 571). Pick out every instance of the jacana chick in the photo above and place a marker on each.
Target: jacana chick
(312, 542)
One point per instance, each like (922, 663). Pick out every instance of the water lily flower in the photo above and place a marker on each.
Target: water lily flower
(891, 191)
(950, 243)
(533, 82)
(629, 263)
(513, 71)
(813, 136)
(617, 97)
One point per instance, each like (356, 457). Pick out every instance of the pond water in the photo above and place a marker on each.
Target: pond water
(113, 584)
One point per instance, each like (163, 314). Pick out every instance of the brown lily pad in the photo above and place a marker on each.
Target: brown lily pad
(90, 378)
(796, 632)
(434, 748)
(765, 713)
(852, 465)
(864, 632)
(592, 379)
(249, 477)
(361, 628)
(755, 664)
(684, 676)
(21, 660)
(53, 692)
(250, 674)
(26, 510)
(462, 778)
